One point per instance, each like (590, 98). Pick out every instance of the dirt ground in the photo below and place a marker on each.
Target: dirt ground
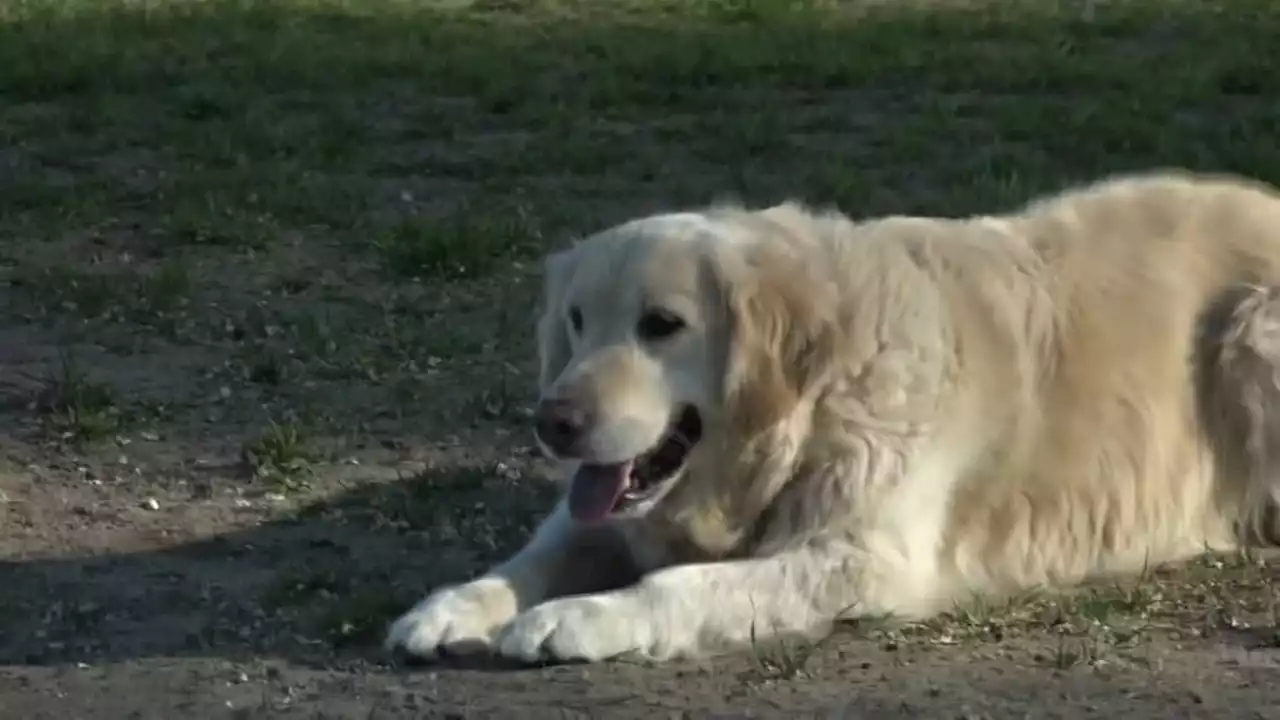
(267, 272)
(154, 577)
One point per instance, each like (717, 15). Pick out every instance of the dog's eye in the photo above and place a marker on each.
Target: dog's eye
(659, 324)
(575, 319)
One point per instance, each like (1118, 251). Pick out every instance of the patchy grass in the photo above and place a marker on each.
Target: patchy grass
(76, 408)
(281, 457)
(782, 658)
(458, 247)
(1112, 622)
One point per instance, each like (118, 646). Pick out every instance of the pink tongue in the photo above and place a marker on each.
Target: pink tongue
(595, 489)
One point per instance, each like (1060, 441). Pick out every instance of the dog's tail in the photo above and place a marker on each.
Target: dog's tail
(1239, 396)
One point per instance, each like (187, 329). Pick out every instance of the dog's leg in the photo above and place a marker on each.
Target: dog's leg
(559, 559)
(686, 610)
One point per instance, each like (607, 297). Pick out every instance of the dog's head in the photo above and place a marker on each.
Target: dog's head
(670, 336)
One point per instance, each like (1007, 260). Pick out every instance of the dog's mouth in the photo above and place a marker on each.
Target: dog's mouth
(599, 490)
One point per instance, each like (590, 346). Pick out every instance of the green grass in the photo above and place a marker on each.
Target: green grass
(281, 457)
(75, 407)
(232, 123)
(474, 243)
(404, 133)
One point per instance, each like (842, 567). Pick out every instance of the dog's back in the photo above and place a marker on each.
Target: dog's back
(1136, 418)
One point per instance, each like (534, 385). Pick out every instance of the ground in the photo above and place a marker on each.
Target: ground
(267, 280)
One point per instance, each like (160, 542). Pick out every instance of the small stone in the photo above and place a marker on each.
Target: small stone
(151, 504)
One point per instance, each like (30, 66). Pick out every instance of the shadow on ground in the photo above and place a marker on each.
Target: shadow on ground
(323, 578)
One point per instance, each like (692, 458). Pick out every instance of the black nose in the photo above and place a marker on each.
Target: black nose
(559, 423)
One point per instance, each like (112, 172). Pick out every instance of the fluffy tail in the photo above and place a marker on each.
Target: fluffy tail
(1239, 395)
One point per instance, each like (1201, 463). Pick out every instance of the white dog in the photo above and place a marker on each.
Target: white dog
(772, 418)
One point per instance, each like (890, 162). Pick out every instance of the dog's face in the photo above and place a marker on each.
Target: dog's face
(627, 350)
(653, 335)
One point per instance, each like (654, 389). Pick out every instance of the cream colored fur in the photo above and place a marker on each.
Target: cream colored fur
(901, 414)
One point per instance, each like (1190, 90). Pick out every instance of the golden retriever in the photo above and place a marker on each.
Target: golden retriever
(775, 418)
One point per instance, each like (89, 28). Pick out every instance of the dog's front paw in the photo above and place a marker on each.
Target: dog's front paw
(589, 628)
(457, 620)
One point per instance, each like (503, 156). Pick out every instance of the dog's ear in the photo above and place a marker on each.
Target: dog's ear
(554, 351)
(781, 334)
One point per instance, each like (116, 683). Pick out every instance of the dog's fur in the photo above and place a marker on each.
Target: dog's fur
(901, 413)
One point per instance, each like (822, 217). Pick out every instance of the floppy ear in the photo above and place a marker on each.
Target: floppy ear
(781, 336)
(553, 337)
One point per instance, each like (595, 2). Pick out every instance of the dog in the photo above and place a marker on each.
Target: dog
(773, 419)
